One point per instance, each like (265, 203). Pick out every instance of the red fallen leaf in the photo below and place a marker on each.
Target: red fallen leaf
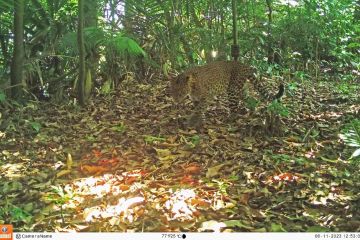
(200, 202)
(93, 169)
(196, 213)
(188, 179)
(124, 187)
(108, 162)
(130, 180)
(96, 153)
(140, 212)
(193, 169)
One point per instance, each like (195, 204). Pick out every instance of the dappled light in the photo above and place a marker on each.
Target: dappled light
(12, 171)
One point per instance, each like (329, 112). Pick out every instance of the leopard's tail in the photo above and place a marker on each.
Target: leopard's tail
(266, 92)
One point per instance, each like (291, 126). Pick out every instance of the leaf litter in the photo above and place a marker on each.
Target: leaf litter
(127, 164)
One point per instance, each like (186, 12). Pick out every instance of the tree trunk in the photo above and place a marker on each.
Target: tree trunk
(270, 49)
(92, 59)
(81, 46)
(17, 64)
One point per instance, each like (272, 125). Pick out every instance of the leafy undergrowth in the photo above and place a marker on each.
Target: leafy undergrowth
(126, 163)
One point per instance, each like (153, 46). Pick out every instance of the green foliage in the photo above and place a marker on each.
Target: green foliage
(277, 227)
(192, 141)
(283, 158)
(35, 125)
(59, 195)
(350, 134)
(301, 75)
(345, 88)
(318, 229)
(278, 108)
(101, 39)
(124, 46)
(151, 139)
(119, 128)
(222, 186)
(2, 96)
(14, 214)
(292, 87)
(251, 103)
(106, 87)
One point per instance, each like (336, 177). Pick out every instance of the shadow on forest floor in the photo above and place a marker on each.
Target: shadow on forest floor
(124, 164)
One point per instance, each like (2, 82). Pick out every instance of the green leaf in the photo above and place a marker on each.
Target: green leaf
(195, 140)
(119, 128)
(36, 126)
(106, 87)
(125, 46)
(277, 228)
(2, 96)
(317, 229)
(237, 223)
(251, 103)
(151, 139)
(19, 215)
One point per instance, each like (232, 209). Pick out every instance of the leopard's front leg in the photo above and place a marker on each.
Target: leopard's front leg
(235, 97)
(197, 118)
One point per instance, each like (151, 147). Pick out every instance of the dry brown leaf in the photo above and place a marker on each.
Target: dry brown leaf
(214, 171)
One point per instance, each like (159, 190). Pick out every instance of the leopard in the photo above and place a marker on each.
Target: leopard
(203, 83)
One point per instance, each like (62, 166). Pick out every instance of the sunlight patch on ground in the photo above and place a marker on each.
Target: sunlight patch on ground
(98, 186)
(124, 208)
(12, 171)
(179, 206)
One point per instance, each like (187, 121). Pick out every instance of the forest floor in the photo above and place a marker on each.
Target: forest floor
(124, 163)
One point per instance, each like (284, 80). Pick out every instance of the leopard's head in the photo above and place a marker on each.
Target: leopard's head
(180, 87)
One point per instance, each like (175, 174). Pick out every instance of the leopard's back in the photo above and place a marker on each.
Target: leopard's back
(209, 80)
(217, 78)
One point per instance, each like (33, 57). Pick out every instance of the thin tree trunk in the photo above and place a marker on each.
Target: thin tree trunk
(17, 64)
(80, 38)
(4, 48)
(92, 59)
(270, 49)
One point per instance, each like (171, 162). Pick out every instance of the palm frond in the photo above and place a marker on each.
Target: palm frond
(125, 46)
(6, 6)
(94, 37)
(351, 137)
